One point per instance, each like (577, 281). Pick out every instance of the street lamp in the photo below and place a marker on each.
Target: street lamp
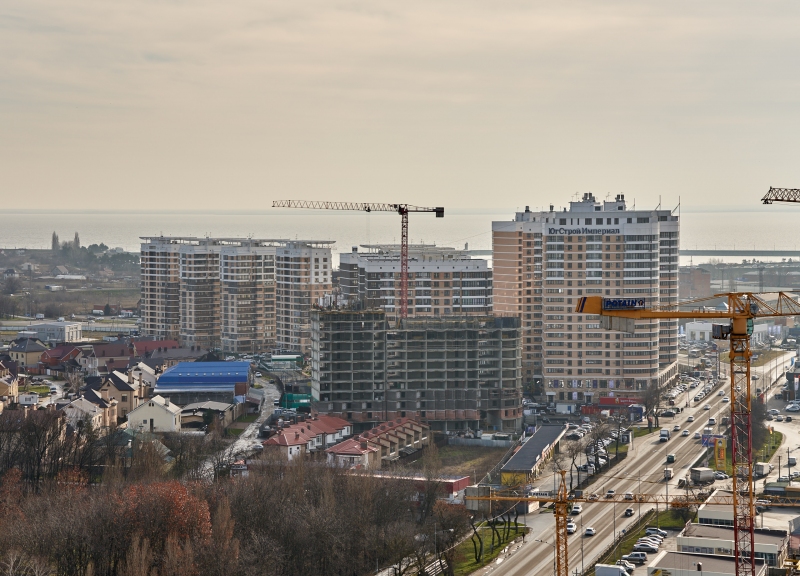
(553, 546)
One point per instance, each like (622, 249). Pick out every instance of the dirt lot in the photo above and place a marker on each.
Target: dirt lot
(467, 460)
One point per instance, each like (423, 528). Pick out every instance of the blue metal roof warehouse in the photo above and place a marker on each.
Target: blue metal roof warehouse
(201, 381)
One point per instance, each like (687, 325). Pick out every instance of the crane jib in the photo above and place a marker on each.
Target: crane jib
(624, 304)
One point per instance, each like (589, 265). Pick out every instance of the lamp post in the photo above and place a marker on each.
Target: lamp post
(553, 546)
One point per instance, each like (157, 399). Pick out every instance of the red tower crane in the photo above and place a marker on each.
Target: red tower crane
(402, 209)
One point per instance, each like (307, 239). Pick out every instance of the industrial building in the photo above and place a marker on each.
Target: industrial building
(771, 546)
(682, 564)
(452, 373)
(221, 292)
(54, 332)
(441, 281)
(544, 261)
(530, 460)
(193, 382)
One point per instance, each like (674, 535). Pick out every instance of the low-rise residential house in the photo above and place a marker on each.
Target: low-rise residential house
(354, 453)
(81, 410)
(10, 273)
(107, 406)
(87, 360)
(143, 375)
(291, 443)
(157, 414)
(60, 360)
(115, 386)
(26, 352)
(59, 271)
(9, 383)
(112, 355)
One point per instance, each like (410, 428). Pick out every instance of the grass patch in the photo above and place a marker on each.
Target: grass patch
(474, 461)
(235, 431)
(465, 553)
(640, 431)
(247, 418)
(40, 390)
(764, 357)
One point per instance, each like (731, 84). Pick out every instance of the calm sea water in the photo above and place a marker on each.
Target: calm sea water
(758, 228)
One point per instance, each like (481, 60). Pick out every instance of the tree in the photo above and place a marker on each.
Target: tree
(54, 243)
(652, 403)
(12, 285)
(76, 243)
(574, 449)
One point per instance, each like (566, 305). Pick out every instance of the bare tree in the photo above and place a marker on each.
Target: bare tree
(573, 450)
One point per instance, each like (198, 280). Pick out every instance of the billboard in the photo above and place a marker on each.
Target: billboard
(618, 401)
(623, 303)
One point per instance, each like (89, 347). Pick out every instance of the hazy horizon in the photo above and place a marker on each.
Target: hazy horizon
(205, 106)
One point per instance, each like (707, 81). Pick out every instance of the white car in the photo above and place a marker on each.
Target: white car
(726, 399)
(793, 408)
(685, 433)
(774, 411)
(697, 436)
(690, 419)
(707, 407)
(572, 527)
(577, 509)
(589, 531)
(721, 393)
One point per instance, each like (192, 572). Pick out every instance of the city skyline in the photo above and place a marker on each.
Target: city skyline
(466, 106)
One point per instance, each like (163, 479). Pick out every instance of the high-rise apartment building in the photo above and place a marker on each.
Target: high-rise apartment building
(454, 372)
(544, 261)
(303, 274)
(441, 281)
(210, 292)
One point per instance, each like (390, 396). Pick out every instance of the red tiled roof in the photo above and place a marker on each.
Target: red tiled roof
(352, 447)
(146, 346)
(288, 438)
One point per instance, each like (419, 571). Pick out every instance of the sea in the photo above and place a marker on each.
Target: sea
(704, 227)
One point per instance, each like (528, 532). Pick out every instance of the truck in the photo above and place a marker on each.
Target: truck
(609, 570)
(701, 475)
(762, 469)
(664, 435)
(668, 473)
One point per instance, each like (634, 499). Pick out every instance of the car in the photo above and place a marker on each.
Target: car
(576, 509)
(636, 557)
(795, 474)
(668, 413)
(629, 568)
(770, 417)
(720, 476)
(628, 511)
(707, 407)
(778, 418)
(628, 495)
(676, 428)
(685, 433)
(593, 497)
(589, 531)
(783, 479)
(643, 547)
(611, 493)
(793, 408)
(773, 411)
(258, 374)
(690, 419)
(670, 458)
(655, 530)
(726, 399)
(697, 436)
(721, 393)
(788, 419)
(572, 527)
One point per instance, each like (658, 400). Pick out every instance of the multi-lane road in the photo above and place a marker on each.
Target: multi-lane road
(641, 472)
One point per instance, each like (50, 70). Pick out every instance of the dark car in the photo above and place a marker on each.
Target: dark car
(629, 512)
(788, 418)
(668, 413)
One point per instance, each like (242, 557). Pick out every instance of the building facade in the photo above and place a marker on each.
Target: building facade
(441, 281)
(210, 292)
(303, 273)
(451, 373)
(57, 332)
(544, 261)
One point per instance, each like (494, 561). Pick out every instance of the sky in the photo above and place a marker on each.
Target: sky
(471, 105)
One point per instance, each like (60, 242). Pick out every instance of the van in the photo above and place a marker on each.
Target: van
(664, 436)
(668, 473)
(712, 421)
(792, 461)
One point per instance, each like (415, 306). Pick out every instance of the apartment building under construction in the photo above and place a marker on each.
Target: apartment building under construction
(453, 373)
(442, 281)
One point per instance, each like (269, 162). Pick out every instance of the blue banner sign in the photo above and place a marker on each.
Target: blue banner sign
(623, 303)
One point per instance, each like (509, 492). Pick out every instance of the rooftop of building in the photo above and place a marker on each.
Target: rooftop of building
(198, 241)
(668, 559)
(531, 451)
(207, 375)
(214, 406)
(762, 535)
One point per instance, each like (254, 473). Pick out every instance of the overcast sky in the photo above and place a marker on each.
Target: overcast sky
(220, 105)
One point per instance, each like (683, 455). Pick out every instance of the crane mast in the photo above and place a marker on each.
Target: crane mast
(402, 209)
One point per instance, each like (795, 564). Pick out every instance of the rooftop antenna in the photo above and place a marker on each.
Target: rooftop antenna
(659, 202)
(678, 208)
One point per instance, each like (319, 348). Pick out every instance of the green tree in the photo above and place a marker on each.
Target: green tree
(76, 243)
(107, 310)
(54, 243)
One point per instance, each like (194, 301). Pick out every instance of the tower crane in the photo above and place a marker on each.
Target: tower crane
(743, 308)
(402, 209)
(781, 195)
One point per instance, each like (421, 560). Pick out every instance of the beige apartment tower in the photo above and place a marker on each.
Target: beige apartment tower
(210, 293)
(544, 261)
